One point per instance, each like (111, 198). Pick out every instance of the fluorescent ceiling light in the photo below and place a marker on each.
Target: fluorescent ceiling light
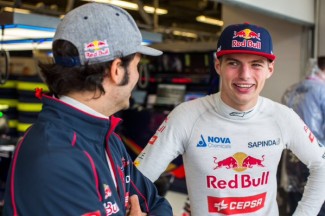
(17, 10)
(132, 6)
(37, 44)
(46, 44)
(184, 34)
(16, 32)
(209, 20)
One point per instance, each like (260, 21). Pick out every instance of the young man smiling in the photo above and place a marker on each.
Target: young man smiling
(232, 141)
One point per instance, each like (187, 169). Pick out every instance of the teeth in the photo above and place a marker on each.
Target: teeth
(244, 85)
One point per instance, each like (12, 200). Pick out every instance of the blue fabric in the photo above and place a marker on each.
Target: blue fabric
(307, 98)
(54, 177)
(245, 38)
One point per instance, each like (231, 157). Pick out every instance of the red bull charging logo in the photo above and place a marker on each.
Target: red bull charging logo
(238, 162)
(247, 34)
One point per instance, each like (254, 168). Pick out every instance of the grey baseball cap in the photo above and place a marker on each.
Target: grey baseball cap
(101, 33)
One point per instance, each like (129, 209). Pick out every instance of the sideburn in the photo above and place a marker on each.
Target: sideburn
(125, 79)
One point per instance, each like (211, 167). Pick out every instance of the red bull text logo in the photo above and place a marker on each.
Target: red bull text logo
(247, 35)
(236, 205)
(239, 181)
(96, 48)
(239, 162)
(111, 208)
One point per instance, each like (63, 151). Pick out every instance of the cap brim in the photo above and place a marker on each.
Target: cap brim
(266, 55)
(149, 51)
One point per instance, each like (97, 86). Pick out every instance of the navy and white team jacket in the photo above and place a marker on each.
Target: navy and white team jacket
(61, 167)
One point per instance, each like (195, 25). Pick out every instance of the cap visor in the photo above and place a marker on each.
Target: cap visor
(149, 51)
(227, 52)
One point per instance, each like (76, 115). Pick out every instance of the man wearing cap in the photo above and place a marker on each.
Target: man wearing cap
(70, 162)
(232, 141)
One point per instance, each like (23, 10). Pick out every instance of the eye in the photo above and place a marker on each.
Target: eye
(257, 65)
(232, 63)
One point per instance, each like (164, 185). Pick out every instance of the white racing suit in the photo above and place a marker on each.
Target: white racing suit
(231, 157)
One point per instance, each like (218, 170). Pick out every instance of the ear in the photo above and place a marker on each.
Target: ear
(217, 65)
(271, 69)
(116, 71)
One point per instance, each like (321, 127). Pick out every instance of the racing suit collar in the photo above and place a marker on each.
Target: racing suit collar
(229, 112)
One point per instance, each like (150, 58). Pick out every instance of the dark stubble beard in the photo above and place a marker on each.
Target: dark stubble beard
(126, 77)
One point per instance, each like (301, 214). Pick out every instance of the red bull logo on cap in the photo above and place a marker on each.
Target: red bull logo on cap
(96, 48)
(247, 35)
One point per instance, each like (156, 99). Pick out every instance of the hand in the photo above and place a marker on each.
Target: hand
(134, 207)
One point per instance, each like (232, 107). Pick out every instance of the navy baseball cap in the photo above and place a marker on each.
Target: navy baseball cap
(246, 39)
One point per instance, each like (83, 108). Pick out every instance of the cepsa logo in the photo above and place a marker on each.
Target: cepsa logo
(236, 205)
(239, 162)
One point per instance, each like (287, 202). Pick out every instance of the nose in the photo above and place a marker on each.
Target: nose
(244, 72)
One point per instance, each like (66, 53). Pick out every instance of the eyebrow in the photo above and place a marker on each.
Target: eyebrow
(253, 61)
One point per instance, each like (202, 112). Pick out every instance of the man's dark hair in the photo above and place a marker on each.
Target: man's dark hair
(321, 62)
(62, 80)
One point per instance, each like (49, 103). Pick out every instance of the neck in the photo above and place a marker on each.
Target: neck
(98, 103)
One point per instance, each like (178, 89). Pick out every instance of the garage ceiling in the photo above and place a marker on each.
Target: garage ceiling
(181, 16)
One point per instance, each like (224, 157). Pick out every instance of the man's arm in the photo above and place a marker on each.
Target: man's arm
(165, 145)
(306, 147)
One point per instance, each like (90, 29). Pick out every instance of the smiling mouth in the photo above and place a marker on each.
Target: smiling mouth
(244, 85)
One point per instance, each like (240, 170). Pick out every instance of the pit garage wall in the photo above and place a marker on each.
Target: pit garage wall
(291, 44)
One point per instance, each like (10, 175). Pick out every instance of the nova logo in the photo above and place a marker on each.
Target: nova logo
(214, 142)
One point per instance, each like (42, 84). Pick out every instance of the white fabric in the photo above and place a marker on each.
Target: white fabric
(231, 157)
(81, 106)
